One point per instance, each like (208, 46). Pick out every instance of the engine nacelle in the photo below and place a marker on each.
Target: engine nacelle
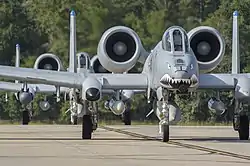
(48, 61)
(91, 89)
(217, 105)
(119, 49)
(96, 65)
(208, 47)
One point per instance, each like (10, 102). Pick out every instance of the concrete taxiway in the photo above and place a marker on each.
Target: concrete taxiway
(61, 145)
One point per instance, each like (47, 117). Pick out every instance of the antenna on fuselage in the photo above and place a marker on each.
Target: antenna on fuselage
(235, 45)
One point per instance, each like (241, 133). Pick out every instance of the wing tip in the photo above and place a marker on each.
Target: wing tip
(72, 13)
(235, 13)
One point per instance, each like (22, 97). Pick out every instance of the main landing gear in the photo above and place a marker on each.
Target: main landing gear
(126, 116)
(241, 121)
(87, 127)
(25, 117)
(89, 119)
(27, 114)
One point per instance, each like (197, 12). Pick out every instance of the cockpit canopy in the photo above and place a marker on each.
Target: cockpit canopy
(83, 60)
(175, 39)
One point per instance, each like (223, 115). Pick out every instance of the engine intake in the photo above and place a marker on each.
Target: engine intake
(119, 49)
(208, 47)
(48, 61)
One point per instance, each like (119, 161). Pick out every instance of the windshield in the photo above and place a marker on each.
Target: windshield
(175, 40)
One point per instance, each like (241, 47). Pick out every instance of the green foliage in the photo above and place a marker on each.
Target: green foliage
(43, 26)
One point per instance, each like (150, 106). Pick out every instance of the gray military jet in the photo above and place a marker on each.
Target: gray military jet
(178, 65)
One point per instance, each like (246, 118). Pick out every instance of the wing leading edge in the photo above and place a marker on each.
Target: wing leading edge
(75, 80)
(59, 78)
(39, 88)
(219, 81)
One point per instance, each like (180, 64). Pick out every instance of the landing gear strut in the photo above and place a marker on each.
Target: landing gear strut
(163, 115)
(165, 122)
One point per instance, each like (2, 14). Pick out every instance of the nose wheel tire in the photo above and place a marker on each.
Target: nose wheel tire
(243, 129)
(26, 118)
(165, 136)
(87, 127)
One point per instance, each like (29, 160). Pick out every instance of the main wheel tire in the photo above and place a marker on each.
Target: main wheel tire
(26, 118)
(86, 127)
(127, 117)
(94, 127)
(244, 128)
(165, 137)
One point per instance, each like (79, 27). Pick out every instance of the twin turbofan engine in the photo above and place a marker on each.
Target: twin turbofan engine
(120, 48)
(208, 47)
(48, 61)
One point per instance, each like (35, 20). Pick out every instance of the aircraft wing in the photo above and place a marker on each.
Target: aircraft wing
(219, 81)
(60, 78)
(123, 81)
(74, 80)
(40, 88)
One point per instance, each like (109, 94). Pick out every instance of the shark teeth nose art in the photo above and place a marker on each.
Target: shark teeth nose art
(169, 81)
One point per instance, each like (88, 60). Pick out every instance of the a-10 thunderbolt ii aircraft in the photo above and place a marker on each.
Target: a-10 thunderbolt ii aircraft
(26, 92)
(48, 61)
(177, 65)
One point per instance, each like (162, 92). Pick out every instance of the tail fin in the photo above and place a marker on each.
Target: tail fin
(235, 45)
(17, 63)
(72, 43)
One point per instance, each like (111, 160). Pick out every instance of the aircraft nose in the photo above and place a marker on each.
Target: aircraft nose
(181, 74)
(92, 94)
